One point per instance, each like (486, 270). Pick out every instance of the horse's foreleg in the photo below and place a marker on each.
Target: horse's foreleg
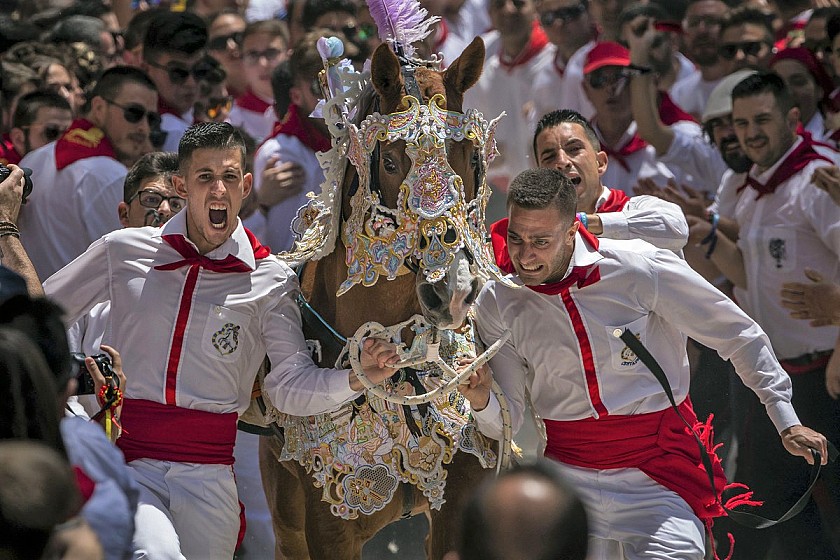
(284, 493)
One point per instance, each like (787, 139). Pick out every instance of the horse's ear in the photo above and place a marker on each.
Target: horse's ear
(464, 72)
(385, 72)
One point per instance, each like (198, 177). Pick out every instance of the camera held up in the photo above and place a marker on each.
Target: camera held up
(86, 385)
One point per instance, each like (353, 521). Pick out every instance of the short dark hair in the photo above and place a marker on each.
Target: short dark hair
(174, 32)
(209, 135)
(273, 27)
(765, 82)
(15, 77)
(78, 29)
(748, 14)
(110, 83)
(561, 532)
(29, 105)
(154, 164)
(138, 25)
(281, 83)
(313, 9)
(535, 189)
(560, 116)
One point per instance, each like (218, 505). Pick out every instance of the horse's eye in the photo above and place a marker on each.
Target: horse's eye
(388, 165)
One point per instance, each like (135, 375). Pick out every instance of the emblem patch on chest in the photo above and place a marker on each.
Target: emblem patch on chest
(628, 357)
(226, 339)
(777, 251)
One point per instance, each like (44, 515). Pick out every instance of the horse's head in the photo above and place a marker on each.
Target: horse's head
(423, 161)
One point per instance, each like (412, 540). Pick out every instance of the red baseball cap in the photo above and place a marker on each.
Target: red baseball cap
(606, 53)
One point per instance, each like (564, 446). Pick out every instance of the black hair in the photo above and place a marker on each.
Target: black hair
(154, 164)
(535, 189)
(209, 135)
(78, 29)
(174, 32)
(561, 532)
(273, 27)
(765, 82)
(560, 116)
(748, 14)
(16, 31)
(29, 105)
(138, 25)
(313, 9)
(281, 83)
(632, 11)
(110, 83)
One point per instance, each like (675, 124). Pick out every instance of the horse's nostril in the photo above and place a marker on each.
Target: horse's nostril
(428, 296)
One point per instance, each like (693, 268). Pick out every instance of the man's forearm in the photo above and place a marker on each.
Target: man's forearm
(14, 257)
(729, 260)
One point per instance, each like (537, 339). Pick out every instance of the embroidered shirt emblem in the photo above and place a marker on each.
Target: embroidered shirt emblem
(777, 250)
(226, 339)
(87, 138)
(628, 357)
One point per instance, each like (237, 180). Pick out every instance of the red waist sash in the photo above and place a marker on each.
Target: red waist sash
(657, 443)
(153, 430)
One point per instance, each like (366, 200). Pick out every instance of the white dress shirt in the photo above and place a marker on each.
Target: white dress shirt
(659, 222)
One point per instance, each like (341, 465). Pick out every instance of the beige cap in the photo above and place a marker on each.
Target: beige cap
(720, 100)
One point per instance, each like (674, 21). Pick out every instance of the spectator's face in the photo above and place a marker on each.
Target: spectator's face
(129, 139)
(607, 12)
(167, 72)
(701, 30)
(746, 46)
(49, 124)
(153, 205)
(540, 245)
(567, 148)
(338, 21)
(213, 104)
(765, 133)
(815, 39)
(724, 137)
(61, 81)
(512, 17)
(223, 45)
(214, 184)
(261, 53)
(608, 90)
(566, 23)
(802, 86)
(835, 55)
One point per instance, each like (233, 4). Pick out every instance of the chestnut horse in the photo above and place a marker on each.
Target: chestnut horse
(309, 521)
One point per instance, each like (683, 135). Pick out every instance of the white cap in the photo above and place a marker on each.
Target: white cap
(720, 100)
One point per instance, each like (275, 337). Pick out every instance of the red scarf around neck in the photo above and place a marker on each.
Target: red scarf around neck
(581, 275)
(295, 125)
(193, 257)
(81, 141)
(536, 43)
(8, 153)
(251, 102)
(795, 162)
(615, 202)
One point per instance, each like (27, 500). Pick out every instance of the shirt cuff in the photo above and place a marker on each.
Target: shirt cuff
(614, 224)
(782, 415)
(489, 418)
(339, 388)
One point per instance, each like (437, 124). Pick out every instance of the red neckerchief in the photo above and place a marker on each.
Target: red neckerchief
(192, 257)
(636, 144)
(670, 112)
(536, 42)
(615, 202)
(165, 108)
(582, 275)
(294, 125)
(81, 141)
(251, 102)
(8, 153)
(441, 35)
(795, 162)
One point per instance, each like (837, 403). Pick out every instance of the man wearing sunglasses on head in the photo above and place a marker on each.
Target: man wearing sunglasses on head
(173, 45)
(569, 26)
(78, 178)
(40, 118)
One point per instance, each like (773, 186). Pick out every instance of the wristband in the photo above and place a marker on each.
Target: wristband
(712, 238)
(581, 216)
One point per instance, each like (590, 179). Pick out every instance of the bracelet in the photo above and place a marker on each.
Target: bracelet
(581, 216)
(712, 238)
(8, 228)
(4, 233)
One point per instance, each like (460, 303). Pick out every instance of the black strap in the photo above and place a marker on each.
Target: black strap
(744, 518)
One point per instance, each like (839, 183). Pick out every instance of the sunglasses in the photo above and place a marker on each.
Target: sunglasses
(202, 70)
(749, 48)
(254, 57)
(218, 105)
(224, 42)
(153, 199)
(601, 80)
(564, 15)
(134, 113)
(499, 4)
(51, 132)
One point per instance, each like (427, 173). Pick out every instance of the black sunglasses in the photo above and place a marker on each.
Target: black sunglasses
(202, 71)
(153, 199)
(253, 57)
(224, 42)
(600, 80)
(564, 15)
(134, 113)
(749, 48)
(51, 131)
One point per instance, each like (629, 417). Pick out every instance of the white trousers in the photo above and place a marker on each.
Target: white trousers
(632, 517)
(185, 511)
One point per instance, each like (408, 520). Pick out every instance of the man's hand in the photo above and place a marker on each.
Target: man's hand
(280, 180)
(828, 179)
(698, 229)
(476, 388)
(116, 365)
(11, 192)
(818, 301)
(799, 440)
(377, 358)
